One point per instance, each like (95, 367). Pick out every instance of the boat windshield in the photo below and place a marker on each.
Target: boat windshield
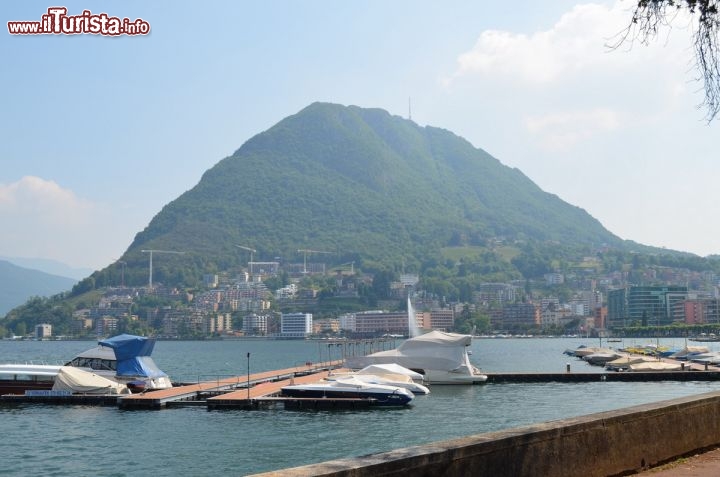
(94, 363)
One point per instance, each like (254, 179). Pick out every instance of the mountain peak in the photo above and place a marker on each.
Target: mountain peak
(363, 184)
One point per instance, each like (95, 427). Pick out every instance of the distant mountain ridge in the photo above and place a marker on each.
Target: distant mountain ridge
(19, 284)
(360, 183)
(52, 267)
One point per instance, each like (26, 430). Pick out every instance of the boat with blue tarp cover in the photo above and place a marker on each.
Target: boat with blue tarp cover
(126, 359)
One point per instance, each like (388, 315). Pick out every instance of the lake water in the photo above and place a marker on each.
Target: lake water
(85, 440)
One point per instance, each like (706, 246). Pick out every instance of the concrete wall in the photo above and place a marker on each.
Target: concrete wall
(610, 443)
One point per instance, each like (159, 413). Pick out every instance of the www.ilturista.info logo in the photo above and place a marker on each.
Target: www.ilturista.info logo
(58, 22)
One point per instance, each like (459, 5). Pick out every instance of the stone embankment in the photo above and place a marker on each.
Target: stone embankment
(612, 443)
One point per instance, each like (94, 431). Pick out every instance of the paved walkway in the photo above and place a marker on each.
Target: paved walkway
(706, 464)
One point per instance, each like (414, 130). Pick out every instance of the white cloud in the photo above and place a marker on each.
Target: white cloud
(565, 85)
(42, 202)
(41, 219)
(563, 130)
(577, 43)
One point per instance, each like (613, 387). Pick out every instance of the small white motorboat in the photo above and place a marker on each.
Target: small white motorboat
(351, 388)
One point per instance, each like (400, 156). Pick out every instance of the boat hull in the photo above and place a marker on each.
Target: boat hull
(379, 395)
(12, 386)
(378, 398)
(443, 377)
(18, 378)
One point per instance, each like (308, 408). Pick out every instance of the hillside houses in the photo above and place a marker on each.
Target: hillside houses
(580, 300)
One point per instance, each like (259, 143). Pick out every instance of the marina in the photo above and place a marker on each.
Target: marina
(245, 441)
(260, 390)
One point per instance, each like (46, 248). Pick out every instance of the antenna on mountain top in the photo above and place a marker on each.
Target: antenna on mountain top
(409, 109)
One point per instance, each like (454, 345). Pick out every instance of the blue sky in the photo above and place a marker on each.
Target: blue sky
(97, 134)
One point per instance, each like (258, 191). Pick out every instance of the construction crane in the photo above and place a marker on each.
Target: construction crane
(252, 251)
(305, 253)
(150, 285)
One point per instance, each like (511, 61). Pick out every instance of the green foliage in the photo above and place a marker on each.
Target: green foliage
(38, 310)
(532, 264)
(359, 183)
(472, 321)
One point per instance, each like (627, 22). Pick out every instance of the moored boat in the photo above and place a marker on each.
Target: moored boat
(441, 358)
(351, 388)
(688, 352)
(390, 375)
(123, 359)
(126, 359)
(599, 359)
(655, 366)
(18, 378)
(583, 351)
(623, 363)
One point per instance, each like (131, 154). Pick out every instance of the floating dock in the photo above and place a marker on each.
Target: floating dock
(610, 376)
(263, 389)
(61, 399)
(244, 391)
(239, 392)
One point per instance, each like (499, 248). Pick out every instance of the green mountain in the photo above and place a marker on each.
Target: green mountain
(19, 284)
(360, 183)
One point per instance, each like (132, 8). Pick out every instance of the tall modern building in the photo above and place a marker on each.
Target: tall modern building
(296, 325)
(646, 305)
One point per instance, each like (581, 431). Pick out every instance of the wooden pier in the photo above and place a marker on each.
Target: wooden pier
(260, 394)
(256, 385)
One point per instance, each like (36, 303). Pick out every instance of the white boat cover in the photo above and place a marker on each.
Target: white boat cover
(628, 360)
(397, 380)
(655, 366)
(77, 380)
(391, 369)
(435, 350)
(581, 352)
(690, 350)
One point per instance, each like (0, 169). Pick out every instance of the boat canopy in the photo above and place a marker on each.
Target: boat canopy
(129, 346)
(133, 355)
